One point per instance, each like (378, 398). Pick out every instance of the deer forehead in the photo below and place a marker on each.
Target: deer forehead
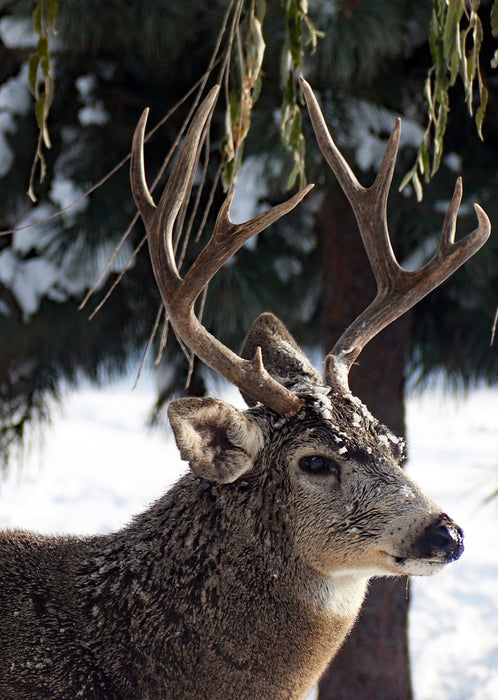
(342, 426)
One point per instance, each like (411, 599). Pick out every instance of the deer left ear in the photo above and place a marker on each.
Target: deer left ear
(282, 357)
(219, 441)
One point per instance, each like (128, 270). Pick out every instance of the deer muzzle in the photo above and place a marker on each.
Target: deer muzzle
(442, 540)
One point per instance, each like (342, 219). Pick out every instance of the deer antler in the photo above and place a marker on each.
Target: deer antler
(179, 295)
(397, 289)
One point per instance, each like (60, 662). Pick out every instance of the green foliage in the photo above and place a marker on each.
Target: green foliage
(297, 20)
(249, 42)
(250, 51)
(115, 58)
(358, 38)
(455, 39)
(41, 81)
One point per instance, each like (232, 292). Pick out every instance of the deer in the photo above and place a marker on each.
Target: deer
(243, 580)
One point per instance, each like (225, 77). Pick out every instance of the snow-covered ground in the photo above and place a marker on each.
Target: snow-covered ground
(454, 618)
(99, 466)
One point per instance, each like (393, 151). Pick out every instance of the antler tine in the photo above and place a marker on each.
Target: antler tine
(227, 238)
(179, 295)
(397, 289)
(160, 220)
(363, 200)
(141, 193)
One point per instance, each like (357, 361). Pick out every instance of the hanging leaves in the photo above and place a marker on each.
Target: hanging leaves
(247, 40)
(455, 39)
(250, 51)
(494, 31)
(41, 82)
(296, 19)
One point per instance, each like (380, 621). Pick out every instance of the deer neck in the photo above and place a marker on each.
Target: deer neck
(179, 576)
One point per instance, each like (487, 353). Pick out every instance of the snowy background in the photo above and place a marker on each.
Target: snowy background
(98, 465)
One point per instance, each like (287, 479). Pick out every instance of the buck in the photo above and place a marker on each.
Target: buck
(243, 580)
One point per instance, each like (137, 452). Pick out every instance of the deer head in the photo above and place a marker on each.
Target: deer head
(325, 472)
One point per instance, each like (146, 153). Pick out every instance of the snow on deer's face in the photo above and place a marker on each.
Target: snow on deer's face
(347, 503)
(350, 507)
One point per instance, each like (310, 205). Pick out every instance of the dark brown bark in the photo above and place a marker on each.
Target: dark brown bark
(374, 661)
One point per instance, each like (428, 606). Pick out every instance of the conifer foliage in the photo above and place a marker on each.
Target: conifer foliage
(92, 76)
(69, 102)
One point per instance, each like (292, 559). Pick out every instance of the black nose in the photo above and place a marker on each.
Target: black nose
(443, 539)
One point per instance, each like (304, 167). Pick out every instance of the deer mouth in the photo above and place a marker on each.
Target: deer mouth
(418, 567)
(412, 566)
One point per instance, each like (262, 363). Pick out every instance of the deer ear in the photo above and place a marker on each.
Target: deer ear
(219, 442)
(282, 356)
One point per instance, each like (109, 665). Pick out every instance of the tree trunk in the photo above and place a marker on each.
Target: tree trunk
(374, 661)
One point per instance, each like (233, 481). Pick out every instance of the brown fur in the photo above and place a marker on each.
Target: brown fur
(241, 581)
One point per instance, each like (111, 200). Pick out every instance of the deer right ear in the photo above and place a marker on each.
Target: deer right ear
(217, 440)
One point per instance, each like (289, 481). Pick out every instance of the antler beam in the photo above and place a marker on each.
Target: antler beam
(179, 295)
(398, 290)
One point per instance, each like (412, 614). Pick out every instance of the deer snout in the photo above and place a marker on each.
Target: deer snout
(443, 540)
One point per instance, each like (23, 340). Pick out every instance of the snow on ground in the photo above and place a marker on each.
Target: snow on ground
(454, 619)
(99, 466)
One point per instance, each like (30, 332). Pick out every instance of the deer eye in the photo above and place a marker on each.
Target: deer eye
(318, 464)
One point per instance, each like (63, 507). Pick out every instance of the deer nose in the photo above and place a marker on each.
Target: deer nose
(443, 539)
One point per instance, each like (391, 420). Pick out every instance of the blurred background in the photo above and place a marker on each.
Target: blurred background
(92, 68)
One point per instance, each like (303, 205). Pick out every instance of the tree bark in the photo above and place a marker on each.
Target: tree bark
(374, 661)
